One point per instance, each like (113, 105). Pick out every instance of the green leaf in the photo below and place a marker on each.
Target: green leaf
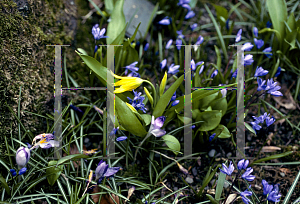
(95, 66)
(222, 13)
(205, 102)
(109, 6)
(82, 51)
(147, 118)
(207, 180)
(71, 158)
(193, 3)
(250, 128)
(278, 13)
(4, 184)
(219, 104)
(117, 23)
(276, 156)
(172, 142)
(166, 97)
(211, 120)
(225, 132)
(220, 36)
(271, 30)
(220, 185)
(291, 190)
(127, 118)
(53, 172)
(213, 201)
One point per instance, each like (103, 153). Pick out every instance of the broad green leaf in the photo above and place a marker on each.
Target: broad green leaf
(166, 97)
(82, 51)
(220, 185)
(95, 66)
(278, 13)
(127, 118)
(131, 55)
(109, 6)
(147, 118)
(71, 158)
(211, 119)
(4, 184)
(172, 142)
(276, 156)
(182, 118)
(134, 34)
(291, 34)
(205, 102)
(196, 96)
(219, 104)
(225, 132)
(250, 128)
(117, 23)
(53, 172)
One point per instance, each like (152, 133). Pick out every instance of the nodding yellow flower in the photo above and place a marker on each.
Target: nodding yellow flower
(127, 83)
(163, 84)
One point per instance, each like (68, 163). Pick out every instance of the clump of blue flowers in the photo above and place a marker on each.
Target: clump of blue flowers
(137, 101)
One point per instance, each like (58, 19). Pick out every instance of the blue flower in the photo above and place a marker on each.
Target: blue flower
(194, 26)
(131, 67)
(227, 170)
(75, 108)
(169, 43)
(114, 131)
(214, 74)
(137, 101)
(178, 43)
(242, 164)
(238, 36)
(247, 46)
(227, 24)
(255, 32)
(179, 34)
(270, 121)
(266, 187)
(272, 88)
(163, 63)
(244, 194)
(260, 84)
(260, 72)
(22, 171)
(175, 103)
(13, 172)
(274, 195)
(165, 21)
(258, 43)
(103, 170)
(46, 141)
(189, 15)
(202, 67)
(268, 49)
(255, 125)
(181, 2)
(269, 24)
(173, 97)
(234, 74)
(212, 137)
(247, 175)
(248, 59)
(97, 33)
(260, 119)
(96, 48)
(173, 69)
(146, 47)
(278, 72)
(199, 40)
(122, 138)
(186, 6)
(156, 125)
(134, 74)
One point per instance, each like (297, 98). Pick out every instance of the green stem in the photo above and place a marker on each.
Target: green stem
(154, 91)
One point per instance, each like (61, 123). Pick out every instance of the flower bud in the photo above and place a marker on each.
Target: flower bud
(163, 84)
(22, 156)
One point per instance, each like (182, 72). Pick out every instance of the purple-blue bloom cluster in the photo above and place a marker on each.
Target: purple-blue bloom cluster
(97, 33)
(272, 192)
(165, 21)
(271, 87)
(244, 195)
(239, 36)
(173, 69)
(258, 43)
(265, 117)
(260, 72)
(248, 59)
(137, 101)
(132, 67)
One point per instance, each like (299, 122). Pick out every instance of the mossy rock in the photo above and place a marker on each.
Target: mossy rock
(26, 62)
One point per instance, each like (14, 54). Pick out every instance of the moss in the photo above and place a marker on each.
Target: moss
(25, 62)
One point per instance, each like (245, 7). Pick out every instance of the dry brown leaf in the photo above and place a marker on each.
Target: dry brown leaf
(285, 170)
(230, 198)
(270, 149)
(106, 199)
(74, 150)
(286, 100)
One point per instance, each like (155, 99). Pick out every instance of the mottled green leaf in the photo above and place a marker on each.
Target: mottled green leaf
(219, 104)
(54, 172)
(172, 142)
(222, 132)
(211, 119)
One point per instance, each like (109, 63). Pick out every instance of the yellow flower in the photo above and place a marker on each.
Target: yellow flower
(163, 84)
(127, 83)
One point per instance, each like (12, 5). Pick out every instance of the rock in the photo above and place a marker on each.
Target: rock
(189, 179)
(194, 171)
(282, 174)
(212, 153)
(229, 154)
